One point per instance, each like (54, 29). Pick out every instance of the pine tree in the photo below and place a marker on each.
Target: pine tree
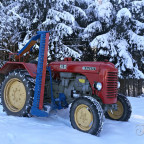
(10, 26)
(64, 19)
(122, 43)
(60, 17)
(88, 29)
(100, 21)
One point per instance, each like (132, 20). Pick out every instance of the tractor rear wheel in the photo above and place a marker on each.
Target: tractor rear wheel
(17, 93)
(123, 111)
(86, 115)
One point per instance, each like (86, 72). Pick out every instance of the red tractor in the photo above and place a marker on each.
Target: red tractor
(90, 87)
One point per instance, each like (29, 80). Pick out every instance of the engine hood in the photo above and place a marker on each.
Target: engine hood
(81, 67)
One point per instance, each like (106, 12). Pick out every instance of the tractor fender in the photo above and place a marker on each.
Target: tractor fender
(10, 66)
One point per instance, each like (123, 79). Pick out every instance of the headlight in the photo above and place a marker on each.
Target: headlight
(118, 85)
(98, 86)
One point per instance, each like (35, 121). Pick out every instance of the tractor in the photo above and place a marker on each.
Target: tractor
(89, 88)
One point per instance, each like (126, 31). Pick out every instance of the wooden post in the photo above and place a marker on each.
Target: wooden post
(128, 87)
(139, 86)
(131, 87)
(124, 86)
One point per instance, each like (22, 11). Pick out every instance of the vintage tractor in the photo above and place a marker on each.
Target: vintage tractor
(91, 88)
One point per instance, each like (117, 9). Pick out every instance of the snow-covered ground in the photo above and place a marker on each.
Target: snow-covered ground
(57, 129)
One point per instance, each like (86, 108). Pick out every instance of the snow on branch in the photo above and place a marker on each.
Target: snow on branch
(62, 2)
(78, 12)
(104, 40)
(137, 6)
(2, 49)
(138, 74)
(125, 56)
(137, 40)
(1, 6)
(138, 27)
(69, 52)
(105, 12)
(88, 2)
(58, 16)
(61, 30)
(123, 14)
(92, 28)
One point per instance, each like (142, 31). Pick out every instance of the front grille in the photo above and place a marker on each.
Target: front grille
(2, 63)
(112, 78)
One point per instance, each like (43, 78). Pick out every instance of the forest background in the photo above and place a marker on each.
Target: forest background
(87, 30)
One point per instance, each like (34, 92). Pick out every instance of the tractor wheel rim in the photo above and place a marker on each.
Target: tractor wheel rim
(83, 117)
(14, 95)
(117, 114)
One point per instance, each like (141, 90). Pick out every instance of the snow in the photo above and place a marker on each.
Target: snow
(91, 28)
(105, 41)
(60, 15)
(105, 12)
(85, 1)
(57, 129)
(138, 73)
(123, 52)
(124, 13)
(136, 39)
(78, 12)
(2, 49)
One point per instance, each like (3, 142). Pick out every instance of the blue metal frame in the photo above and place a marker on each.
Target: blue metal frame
(61, 100)
(35, 108)
(34, 38)
(57, 103)
(53, 105)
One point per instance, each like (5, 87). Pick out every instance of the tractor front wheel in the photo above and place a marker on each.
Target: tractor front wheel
(17, 93)
(123, 111)
(86, 115)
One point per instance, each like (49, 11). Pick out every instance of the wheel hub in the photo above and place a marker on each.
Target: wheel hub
(116, 114)
(15, 95)
(83, 117)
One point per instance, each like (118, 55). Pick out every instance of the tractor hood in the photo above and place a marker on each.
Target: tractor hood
(81, 67)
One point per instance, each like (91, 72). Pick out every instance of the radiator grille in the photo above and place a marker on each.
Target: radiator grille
(2, 63)
(112, 78)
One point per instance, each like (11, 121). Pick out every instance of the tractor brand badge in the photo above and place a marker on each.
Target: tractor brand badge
(89, 68)
(63, 66)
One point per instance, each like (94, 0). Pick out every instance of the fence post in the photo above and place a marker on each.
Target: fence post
(131, 87)
(139, 86)
(128, 87)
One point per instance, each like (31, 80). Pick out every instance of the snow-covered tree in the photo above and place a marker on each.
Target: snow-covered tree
(124, 40)
(60, 17)
(90, 29)
(11, 25)
(65, 20)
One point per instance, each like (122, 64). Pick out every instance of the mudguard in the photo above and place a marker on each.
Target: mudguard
(10, 66)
